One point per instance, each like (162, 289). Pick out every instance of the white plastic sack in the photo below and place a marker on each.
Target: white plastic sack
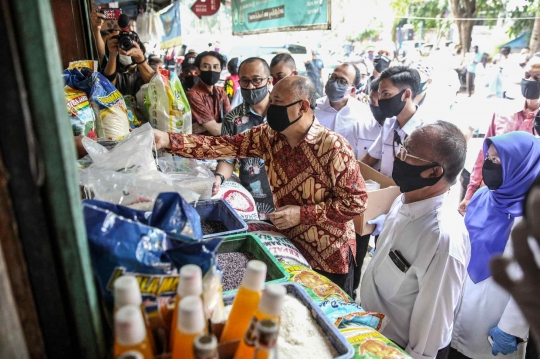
(281, 247)
(187, 173)
(131, 155)
(239, 198)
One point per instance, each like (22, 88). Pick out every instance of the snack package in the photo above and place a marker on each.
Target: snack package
(166, 103)
(112, 121)
(239, 198)
(91, 64)
(370, 344)
(123, 240)
(131, 105)
(81, 114)
(281, 247)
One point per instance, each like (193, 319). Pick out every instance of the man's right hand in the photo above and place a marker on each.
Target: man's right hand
(162, 140)
(96, 19)
(463, 206)
(216, 186)
(112, 44)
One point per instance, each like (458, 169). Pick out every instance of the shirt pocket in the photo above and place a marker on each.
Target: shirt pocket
(389, 278)
(362, 147)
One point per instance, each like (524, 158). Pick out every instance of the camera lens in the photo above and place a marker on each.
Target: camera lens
(125, 43)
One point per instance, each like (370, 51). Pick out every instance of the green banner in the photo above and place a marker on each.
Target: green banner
(261, 16)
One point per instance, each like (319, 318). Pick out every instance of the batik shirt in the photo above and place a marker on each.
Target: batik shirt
(252, 172)
(320, 174)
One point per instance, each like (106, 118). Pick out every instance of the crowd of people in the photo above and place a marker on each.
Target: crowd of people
(296, 146)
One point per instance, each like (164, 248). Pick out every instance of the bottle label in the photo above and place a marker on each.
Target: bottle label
(250, 338)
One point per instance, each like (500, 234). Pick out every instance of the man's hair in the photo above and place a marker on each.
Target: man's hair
(287, 59)
(202, 55)
(252, 60)
(154, 60)
(357, 75)
(449, 148)
(403, 77)
(374, 85)
(304, 89)
(232, 66)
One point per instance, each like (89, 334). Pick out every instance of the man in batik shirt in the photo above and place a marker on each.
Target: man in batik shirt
(312, 171)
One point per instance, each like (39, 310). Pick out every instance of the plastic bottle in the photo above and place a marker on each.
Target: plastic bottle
(246, 302)
(128, 292)
(189, 283)
(130, 332)
(266, 334)
(269, 308)
(132, 354)
(190, 324)
(205, 347)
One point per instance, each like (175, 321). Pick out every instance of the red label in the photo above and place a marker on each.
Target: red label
(205, 7)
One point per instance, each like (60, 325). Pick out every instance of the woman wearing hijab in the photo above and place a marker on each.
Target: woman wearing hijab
(489, 321)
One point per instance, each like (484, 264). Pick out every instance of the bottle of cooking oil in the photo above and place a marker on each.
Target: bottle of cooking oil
(246, 301)
(205, 346)
(266, 344)
(189, 283)
(190, 324)
(130, 332)
(132, 354)
(269, 308)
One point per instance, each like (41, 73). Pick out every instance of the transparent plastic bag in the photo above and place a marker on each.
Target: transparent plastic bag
(189, 174)
(128, 190)
(131, 155)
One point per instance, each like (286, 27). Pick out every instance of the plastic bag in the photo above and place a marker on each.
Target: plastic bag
(131, 105)
(188, 174)
(166, 103)
(281, 247)
(131, 155)
(81, 114)
(140, 99)
(91, 64)
(370, 344)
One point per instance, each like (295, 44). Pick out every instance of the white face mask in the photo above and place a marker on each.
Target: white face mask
(125, 60)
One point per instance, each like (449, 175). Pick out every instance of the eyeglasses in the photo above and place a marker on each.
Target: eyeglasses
(256, 81)
(403, 154)
(339, 80)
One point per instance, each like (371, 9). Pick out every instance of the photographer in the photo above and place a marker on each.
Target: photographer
(128, 83)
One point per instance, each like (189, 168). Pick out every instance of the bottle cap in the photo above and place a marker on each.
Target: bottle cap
(254, 276)
(267, 333)
(132, 354)
(129, 326)
(205, 345)
(272, 300)
(189, 281)
(191, 315)
(126, 291)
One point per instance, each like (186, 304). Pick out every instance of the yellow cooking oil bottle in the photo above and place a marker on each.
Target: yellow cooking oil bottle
(130, 332)
(190, 324)
(246, 301)
(189, 283)
(205, 346)
(267, 335)
(269, 308)
(128, 292)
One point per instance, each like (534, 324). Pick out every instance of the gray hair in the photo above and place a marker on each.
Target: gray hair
(449, 148)
(304, 89)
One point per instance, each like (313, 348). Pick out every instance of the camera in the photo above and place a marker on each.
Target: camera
(126, 39)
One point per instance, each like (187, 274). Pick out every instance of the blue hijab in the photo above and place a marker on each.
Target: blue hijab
(491, 214)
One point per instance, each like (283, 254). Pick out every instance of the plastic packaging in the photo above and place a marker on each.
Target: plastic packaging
(370, 344)
(371, 185)
(239, 198)
(130, 332)
(191, 324)
(281, 247)
(246, 301)
(187, 173)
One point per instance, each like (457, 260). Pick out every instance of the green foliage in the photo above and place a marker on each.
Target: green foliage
(530, 9)
(420, 8)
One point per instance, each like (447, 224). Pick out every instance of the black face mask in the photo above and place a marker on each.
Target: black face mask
(530, 89)
(278, 118)
(381, 63)
(377, 113)
(493, 175)
(210, 78)
(392, 106)
(408, 178)
(190, 81)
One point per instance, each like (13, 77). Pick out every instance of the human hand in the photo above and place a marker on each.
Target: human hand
(379, 223)
(97, 19)
(162, 140)
(463, 206)
(285, 217)
(502, 342)
(135, 52)
(112, 44)
(216, 186)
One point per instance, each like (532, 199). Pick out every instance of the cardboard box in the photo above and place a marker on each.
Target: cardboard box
(379, 202)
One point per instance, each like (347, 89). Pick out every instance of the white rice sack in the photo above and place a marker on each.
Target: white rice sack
(239, 198)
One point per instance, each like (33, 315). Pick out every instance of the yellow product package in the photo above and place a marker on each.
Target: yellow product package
(91, 64)
(370, 344)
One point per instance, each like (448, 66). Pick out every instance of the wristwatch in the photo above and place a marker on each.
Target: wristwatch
(220, 176)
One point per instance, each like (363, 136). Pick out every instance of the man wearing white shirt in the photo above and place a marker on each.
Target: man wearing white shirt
(398, 87)
(417, 275)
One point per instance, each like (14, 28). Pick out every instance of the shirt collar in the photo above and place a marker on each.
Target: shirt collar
(314, 132)
(419, 209)
(411, 125)
(200, 86)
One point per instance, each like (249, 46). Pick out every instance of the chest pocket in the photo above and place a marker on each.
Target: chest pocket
(389, 278)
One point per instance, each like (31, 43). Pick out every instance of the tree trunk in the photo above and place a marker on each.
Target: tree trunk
(534, 43)
(465, 34)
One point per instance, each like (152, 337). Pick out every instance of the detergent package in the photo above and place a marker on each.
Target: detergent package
(166, 103)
